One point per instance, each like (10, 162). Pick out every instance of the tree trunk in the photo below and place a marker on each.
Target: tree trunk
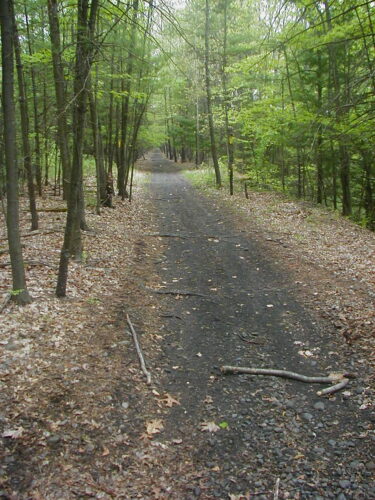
(209, 97)
(25, 128)
(85, 32)
(20, 293)
(59, 81)
(101, 194)
(319, 140)
(300, 176)
(38, 156)
(369, 202)
(228, 130)
(340, 110)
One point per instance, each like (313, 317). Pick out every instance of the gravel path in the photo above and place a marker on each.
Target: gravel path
(243, 311)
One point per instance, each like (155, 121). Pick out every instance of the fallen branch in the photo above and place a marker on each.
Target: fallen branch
(5, 302)
(55, 209)
(167, 235)
(340, 379)
(176, 292)
(36, 233)
(28, 263)
(139, 351)
(334, 388)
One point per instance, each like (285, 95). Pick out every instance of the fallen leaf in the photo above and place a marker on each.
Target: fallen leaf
(169, 401)
(154, 426)
(105, 451)
(13, 433)
(209, 427)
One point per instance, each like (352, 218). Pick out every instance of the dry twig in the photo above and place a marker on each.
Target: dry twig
(139, 350)
(276, 491)
(340, 379)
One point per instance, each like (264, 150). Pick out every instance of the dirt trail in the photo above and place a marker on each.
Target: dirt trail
(246, 313)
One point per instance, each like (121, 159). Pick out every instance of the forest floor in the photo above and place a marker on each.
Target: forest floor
(206, 280)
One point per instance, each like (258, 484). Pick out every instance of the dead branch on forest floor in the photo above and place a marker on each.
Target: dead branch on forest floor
(340, 380)
(36, 233)
(28, 263)
(167, 235)
(176, 292)
(139, 351)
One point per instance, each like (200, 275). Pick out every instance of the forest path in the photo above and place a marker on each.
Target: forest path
(246, 313)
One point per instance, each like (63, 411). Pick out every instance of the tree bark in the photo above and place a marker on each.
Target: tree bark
(20, 293)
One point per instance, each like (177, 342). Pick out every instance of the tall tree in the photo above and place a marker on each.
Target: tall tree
(60, 85)
(20, 293)
(86, 22)
(25, 127)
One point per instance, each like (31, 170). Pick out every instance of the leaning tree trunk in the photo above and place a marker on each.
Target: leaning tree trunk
(19, 293)
(209, 97)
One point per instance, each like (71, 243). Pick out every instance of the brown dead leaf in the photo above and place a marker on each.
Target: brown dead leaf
(169, 401)
(154, 427)
(105, 451)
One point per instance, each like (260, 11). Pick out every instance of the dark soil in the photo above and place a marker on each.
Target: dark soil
(247, 313)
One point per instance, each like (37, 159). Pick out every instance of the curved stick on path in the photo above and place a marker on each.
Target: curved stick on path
(341, 379)
(139, 351)
(334, 388)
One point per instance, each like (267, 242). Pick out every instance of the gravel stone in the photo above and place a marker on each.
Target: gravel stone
(344, 483)
(54, 439)
(307, 416)
(319, 405)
